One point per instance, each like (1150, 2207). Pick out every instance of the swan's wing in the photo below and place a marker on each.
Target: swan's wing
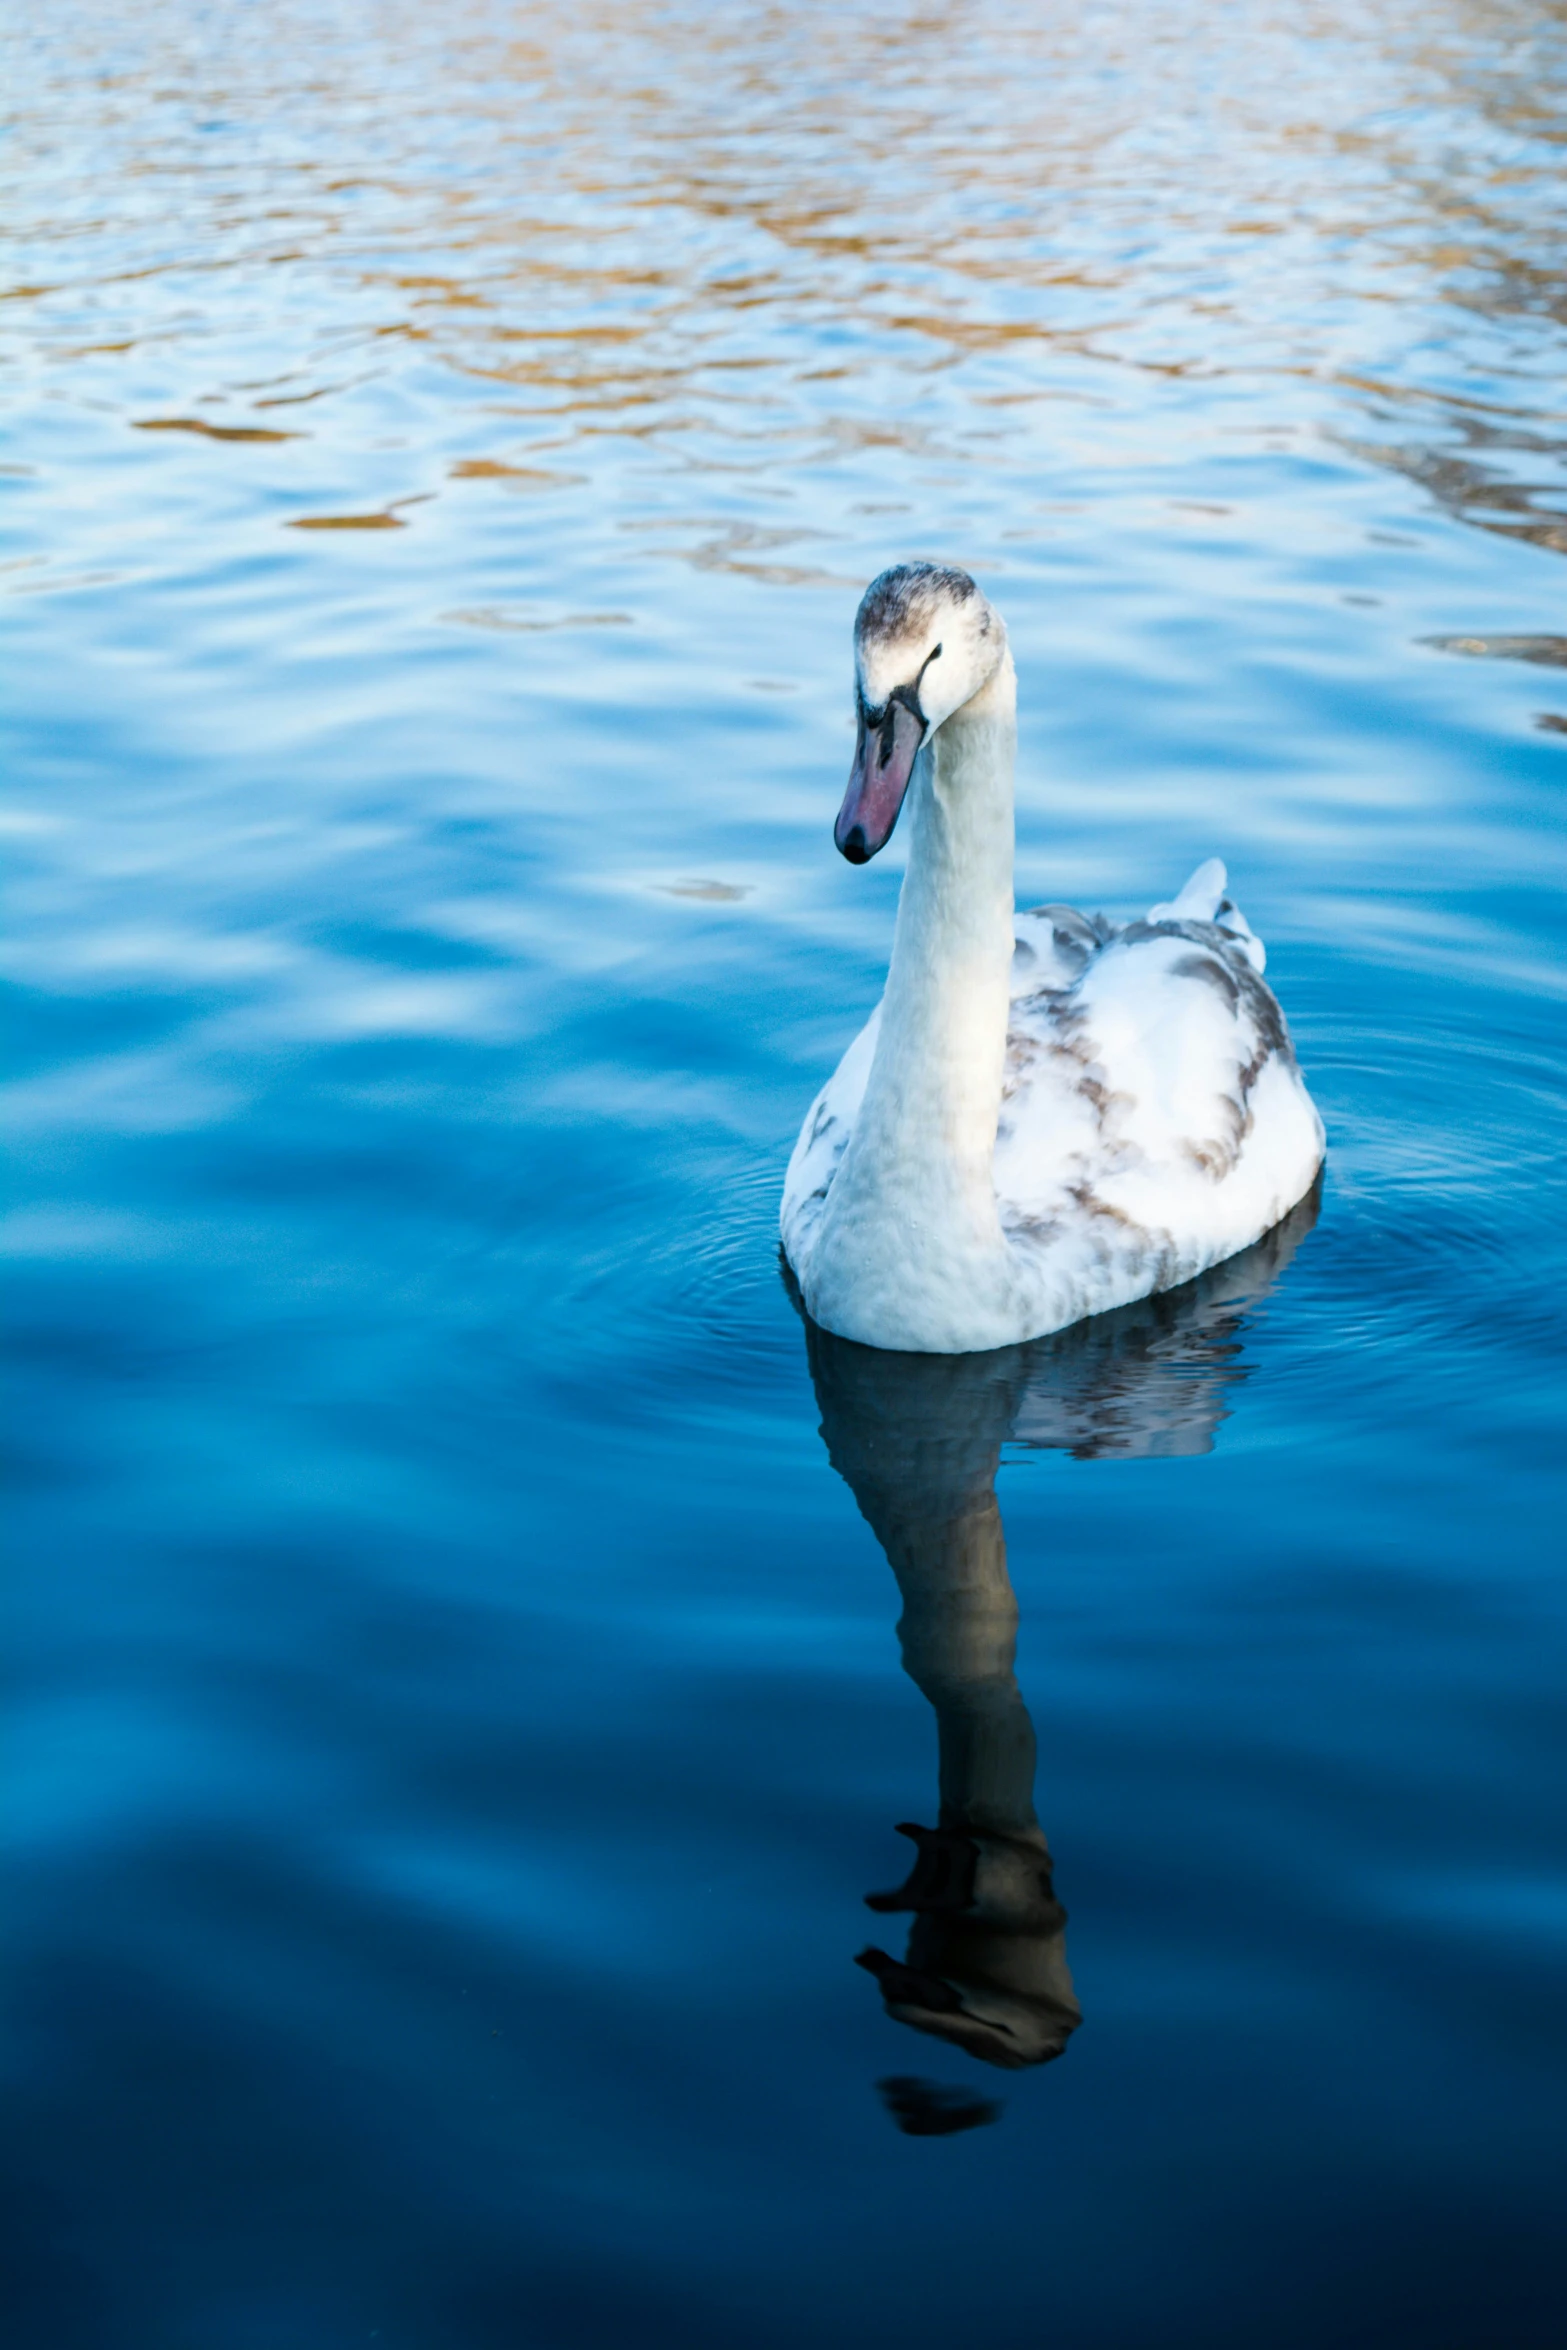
(1154, 1119)
(829, 1122)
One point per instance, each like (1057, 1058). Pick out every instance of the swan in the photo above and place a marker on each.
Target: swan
(1046, 1116)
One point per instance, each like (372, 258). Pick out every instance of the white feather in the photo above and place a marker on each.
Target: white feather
(1199, 900)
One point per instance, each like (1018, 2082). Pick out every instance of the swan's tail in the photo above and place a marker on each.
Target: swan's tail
(1203, 900)
(1200, 900)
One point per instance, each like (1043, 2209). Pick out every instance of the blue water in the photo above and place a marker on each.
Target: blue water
(455, 1698)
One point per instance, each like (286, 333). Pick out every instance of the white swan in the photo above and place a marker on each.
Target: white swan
(1045, 1116)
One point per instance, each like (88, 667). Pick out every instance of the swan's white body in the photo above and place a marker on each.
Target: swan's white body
(1045, 1117)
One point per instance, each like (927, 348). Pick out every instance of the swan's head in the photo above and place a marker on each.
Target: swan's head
(925, 642)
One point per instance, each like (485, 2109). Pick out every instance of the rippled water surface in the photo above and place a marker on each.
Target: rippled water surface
(457, 1707)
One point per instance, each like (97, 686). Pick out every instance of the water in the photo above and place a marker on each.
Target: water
(456, 1703)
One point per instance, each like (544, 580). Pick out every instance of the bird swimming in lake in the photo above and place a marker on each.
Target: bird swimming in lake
(1046, 1116)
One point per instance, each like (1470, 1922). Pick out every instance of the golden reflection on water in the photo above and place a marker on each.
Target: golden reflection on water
(763, 237)
(347, 522)
(213, 432)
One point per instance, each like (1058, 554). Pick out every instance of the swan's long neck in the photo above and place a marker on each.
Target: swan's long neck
(931, 1105)
(913, 1208)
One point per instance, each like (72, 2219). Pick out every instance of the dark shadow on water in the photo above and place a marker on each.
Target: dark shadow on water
(928, 2109)
(918, 1439)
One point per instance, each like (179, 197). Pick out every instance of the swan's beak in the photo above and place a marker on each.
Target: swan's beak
(883, 762)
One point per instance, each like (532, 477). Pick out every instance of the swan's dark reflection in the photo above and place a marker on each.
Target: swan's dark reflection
(918, 1440)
